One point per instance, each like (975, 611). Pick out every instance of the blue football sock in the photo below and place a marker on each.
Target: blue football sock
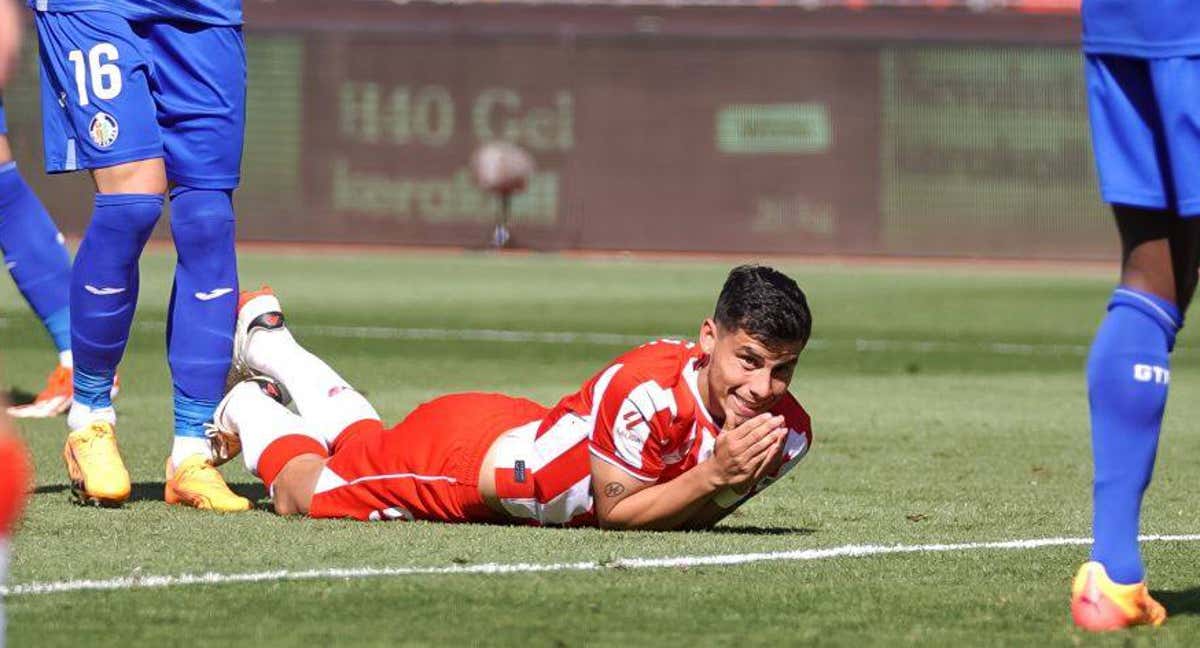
(93, 387)
(1128, 372)
(203, 303)
(191, 414)
(58, 323)
(104, 287)
(35, 255)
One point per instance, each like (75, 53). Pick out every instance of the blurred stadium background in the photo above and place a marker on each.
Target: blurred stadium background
(894, 127)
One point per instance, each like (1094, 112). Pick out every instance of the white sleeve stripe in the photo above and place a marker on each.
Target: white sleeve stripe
(691, 376)
(598, 394)
(640, 409)
(643, 402)
(609, 460)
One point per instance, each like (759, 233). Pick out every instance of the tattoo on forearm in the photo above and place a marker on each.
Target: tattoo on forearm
(613, 489)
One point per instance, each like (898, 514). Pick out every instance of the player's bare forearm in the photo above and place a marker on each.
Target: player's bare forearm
(625, 503)
(739, 460)
(708, 516)
(717, 509)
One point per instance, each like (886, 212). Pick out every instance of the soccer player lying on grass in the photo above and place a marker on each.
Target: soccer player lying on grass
(670, 435)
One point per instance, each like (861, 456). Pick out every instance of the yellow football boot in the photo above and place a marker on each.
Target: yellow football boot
(198, 484)
(94, 464)
(1100, 605)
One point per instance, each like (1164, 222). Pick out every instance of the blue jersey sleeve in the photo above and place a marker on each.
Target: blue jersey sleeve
(1141, 28)
(209, 12)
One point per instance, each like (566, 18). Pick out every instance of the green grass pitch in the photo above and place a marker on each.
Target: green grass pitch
(948, 406)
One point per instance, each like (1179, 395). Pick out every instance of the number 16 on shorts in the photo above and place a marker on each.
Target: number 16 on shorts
(97, 66)
(97, 108)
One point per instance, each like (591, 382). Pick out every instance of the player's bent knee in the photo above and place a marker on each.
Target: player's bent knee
(202, 225)
(294, 486)
(287, 507)
(138, 177)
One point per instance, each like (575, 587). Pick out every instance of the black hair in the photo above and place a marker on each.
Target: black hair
(766, 304)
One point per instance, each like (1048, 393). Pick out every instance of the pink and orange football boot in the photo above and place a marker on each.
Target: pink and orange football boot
(1100, 605)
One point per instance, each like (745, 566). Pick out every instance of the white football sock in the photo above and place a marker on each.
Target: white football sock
(326, 401)
(186, 446)
(82, 415)
(258, 420)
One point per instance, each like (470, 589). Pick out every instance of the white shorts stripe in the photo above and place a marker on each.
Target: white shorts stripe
(415, 476)
(329, 480)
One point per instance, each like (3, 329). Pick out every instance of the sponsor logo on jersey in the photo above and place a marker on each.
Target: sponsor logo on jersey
(630, 432)
(631, 429)
(103, 130)
(103, 290)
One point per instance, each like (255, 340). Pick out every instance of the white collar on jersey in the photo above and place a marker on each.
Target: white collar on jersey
(691, 375)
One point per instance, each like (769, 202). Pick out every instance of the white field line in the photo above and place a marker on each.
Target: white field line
(860, 345)
(845, 551)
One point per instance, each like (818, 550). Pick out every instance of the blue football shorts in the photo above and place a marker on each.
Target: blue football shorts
(116, 91)
(1145, 117)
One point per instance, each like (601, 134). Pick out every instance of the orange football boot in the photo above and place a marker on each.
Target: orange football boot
(95, 467)
(1100, 605)
(198, 484)
(55, 399)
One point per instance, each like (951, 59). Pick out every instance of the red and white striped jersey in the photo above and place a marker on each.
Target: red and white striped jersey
(643, 414)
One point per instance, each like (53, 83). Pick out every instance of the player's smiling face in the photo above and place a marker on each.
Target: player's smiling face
(743, 377)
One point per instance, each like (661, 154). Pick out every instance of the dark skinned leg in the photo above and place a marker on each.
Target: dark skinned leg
(1160, 252)
(1185, 257)
(1146, 259)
